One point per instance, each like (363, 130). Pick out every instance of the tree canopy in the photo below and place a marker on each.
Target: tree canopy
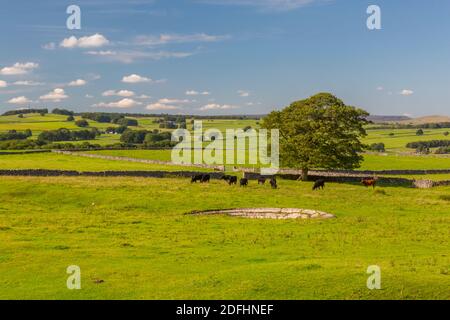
(319, 132)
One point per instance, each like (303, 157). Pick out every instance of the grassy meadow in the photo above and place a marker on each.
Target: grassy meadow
(134, 235)
(132, 238)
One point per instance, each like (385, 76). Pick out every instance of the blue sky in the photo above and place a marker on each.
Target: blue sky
(224, 57)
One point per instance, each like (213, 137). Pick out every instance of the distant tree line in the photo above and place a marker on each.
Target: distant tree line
(68, 135)
(436, 125)
(24, 111)
(115, 118)
(147, 138)
(63, 112)
(428, 144)
(14, 135)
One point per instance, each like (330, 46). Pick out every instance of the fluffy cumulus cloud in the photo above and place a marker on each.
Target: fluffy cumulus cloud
(77, 83)
(161, 106)
(95, 41)
(135, 78)
(20, 100)
(19, 68)
(3, 84)
(56, 95)
(197, 93)
(119, 93)
(122, 104)
(406, 92)
(215, 106)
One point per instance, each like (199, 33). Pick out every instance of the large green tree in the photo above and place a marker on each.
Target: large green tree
(319, 132)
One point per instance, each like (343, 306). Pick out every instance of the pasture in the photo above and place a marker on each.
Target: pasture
(132, 233)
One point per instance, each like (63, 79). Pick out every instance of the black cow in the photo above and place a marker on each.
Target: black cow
(261, 180)
(196, 178)
(243, 182)
(232, 180)
(205, 178)
(273, 183)
(319, 184)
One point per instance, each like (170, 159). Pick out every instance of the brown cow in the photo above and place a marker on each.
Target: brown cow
(369, 182)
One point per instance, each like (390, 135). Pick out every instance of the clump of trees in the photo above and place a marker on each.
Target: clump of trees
(419, 132)
(118, 130)
(15, 135)
(63, 112)
(147, 138)
(319, 132)
(82, 123)
(67, 135)
(24, 111)
(428, 144)
(443, 150)
(127, 122)
(378, 147)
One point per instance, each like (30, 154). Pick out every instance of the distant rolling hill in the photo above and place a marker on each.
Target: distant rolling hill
(427, 119)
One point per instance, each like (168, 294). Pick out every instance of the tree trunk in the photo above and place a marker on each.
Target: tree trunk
(304, 175)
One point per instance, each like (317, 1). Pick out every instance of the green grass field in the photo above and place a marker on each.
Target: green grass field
(54, 161)
(133, 234)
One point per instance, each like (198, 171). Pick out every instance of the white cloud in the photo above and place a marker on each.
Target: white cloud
(161, 106)
(28, 83)
(243, 93)
(275, 5)
(19, 68)
(49, 46)
(77, 83)
(164, 39)
(94, 41)
(196, 93)
(119, 93)
(143, 96)
(215, 106)
(380, 88)
(20, 100)
(130, 56)
(135, 78)
(172, 101)
(56, 95)
(406, 92)
(101, 53)
(3, 84)
(124, 103)
(89, 96)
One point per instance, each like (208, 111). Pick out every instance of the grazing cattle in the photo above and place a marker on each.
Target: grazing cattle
(196, 178)
(232, 180)
(205, 178)
(261, 180)
(319, 184)
(243, 182)
(273, 183)
(369, 182)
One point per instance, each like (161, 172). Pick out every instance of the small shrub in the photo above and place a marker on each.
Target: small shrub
(82, 123)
